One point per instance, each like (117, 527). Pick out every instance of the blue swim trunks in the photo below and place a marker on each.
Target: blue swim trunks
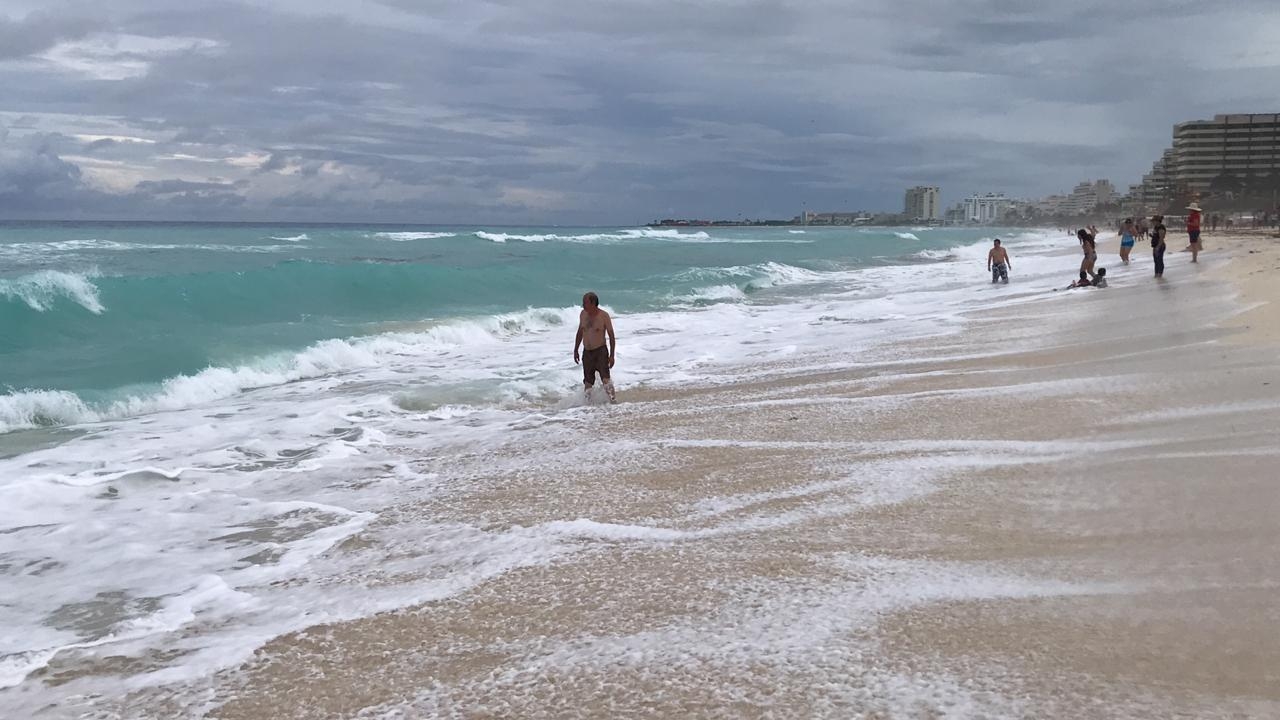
(1126, 240)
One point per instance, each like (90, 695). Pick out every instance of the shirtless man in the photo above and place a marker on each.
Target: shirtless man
(593, 324)
(998, 263)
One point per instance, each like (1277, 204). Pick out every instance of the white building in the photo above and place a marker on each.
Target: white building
(921, 203)
(986, 208)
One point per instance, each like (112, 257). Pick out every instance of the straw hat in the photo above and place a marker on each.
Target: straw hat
(1194, 207)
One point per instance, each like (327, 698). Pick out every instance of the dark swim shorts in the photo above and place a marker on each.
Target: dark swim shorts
(593, 361)
(1195, 235)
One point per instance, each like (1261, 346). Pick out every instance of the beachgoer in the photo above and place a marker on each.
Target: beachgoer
(998, 263)
(1090, 247)
(1193, 230)
(1142, 228)
(1083, 281)
(593, 325)
(1099, 280)
(1213, 222)
(1158, 232)
(1127, 240)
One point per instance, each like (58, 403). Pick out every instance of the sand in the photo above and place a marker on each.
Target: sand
(1067, 510)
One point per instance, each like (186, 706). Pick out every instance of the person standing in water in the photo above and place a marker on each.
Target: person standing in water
(1158, 231)
(998, 263)
(1193, 230)
(1090, 247)
(1127, 240)
(593, 325)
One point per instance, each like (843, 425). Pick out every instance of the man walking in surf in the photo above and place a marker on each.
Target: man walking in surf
(593, 325)
(998, 263)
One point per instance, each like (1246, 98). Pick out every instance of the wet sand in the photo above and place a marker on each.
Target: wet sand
(1067, 510)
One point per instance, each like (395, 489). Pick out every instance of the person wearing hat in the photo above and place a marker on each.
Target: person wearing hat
(1193, 229)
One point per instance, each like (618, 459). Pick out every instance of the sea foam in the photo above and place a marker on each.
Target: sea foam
(41, 290)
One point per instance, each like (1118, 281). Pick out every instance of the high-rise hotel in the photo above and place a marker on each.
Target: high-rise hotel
(1228, 156)
(921, 203)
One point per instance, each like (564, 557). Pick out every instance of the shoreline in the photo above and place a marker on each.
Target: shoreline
(961, 524)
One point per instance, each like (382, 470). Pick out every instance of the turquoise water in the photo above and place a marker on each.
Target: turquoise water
(103, 310)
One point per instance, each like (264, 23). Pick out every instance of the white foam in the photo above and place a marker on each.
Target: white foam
(610, 237)
(41, 290)
(821, 635)
(256, 473)
(757, 277)
(292, 238)
(35, 408)
(906, 236)
(407, 236)
(714, 293)
(62, 249)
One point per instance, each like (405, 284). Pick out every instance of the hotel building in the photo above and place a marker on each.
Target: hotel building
(1226, 157)
(921, 203)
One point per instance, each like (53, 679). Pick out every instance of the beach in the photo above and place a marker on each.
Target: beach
(1060, 505)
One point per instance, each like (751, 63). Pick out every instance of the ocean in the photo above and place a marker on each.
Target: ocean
(197, 422)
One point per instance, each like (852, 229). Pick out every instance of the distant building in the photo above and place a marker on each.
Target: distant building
(835, 218)
(1156, 189)
(1087, 196)
(1229, 158)
(1051, 205)
(1226, 151)
(986, 208)
(921, 203)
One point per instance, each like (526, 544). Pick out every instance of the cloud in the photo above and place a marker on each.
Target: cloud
(581, 112)
(33, 175)
(172, 187)
(41, 31)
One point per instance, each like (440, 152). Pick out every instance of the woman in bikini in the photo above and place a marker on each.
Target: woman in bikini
(1090, 247)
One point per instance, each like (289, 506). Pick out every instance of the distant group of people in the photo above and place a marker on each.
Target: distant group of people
(1131, 231)
(595, 325)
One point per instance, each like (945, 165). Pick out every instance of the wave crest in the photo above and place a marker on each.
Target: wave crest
(41, 290)
(29, 408)
(407, 236)
(635, 234)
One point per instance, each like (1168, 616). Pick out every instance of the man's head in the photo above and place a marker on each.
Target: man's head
(590, 301)
(997, 242)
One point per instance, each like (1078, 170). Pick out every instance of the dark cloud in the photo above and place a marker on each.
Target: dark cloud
(277, 161)
(580, 111)
(40, 31)
(32, 173)
(172, 187)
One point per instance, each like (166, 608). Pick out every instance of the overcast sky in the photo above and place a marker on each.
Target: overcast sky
(598, 112)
